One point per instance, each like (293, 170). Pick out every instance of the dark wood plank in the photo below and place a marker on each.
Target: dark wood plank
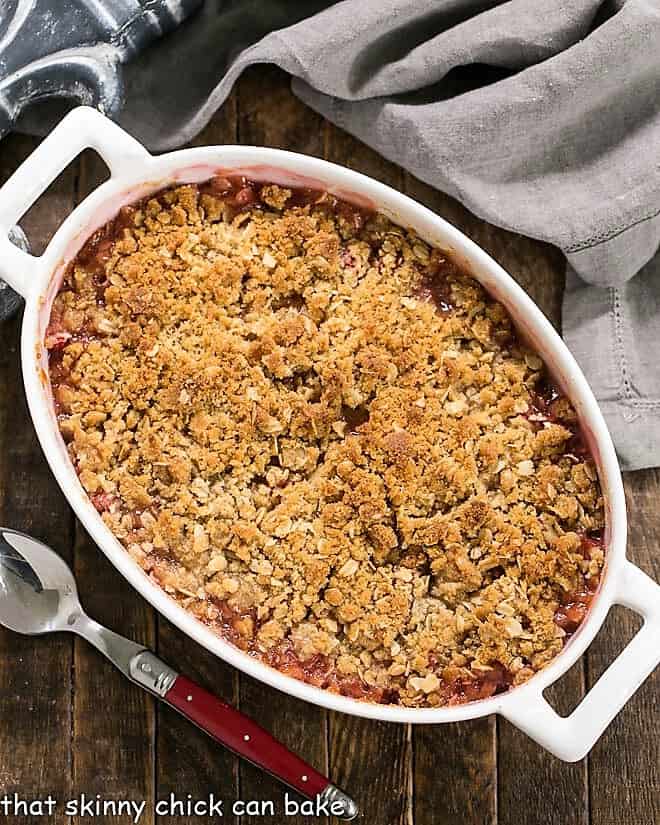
(507, 793)
(624, 767)
(455, 767)
(113, 720)
(372, 760)
(124, 732)
(269, 115)
(188, 761)
(35, 673)
(455, 773)
(300, 726)
(456, 770)
(534, 786)
(513, 795)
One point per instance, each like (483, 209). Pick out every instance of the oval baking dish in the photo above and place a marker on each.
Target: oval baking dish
(135, 174)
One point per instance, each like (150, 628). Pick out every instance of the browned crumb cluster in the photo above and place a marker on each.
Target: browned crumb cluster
(325, 440)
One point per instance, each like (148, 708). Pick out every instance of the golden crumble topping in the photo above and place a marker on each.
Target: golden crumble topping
(325, 440)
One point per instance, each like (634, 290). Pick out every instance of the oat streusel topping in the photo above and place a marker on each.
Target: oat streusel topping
(325, 440)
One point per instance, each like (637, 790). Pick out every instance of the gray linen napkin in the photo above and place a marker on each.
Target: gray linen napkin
(543, 118)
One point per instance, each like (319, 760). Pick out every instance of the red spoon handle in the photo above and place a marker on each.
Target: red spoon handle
(243, 736)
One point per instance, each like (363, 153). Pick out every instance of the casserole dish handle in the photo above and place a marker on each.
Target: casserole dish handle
(83, 128)
(572, 737)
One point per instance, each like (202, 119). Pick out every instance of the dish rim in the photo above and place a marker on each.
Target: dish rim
(280, 166)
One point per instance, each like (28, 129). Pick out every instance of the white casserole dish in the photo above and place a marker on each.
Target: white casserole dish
(134, 174)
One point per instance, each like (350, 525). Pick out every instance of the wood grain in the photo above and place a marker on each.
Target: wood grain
(624, 767)
(270, 116)
(113, 720)
(485, 774)
(71, 725)
(533, 786)
(456, 773)
(373, 761)
(466, 752)
(370, 759)
(188, 761)
(35, 673)
(124, 732)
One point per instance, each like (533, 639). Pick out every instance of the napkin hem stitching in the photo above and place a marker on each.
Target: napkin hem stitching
(627, 396)
(595, 240)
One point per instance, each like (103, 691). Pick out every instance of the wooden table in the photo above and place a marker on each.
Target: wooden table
(69, 724)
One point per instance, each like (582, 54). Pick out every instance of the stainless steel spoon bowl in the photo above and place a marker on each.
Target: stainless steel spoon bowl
(37, 589)
(38, 595)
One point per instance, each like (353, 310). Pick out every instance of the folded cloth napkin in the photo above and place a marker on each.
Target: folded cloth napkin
(541, 118)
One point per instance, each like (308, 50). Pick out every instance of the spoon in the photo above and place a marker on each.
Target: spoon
(38, 595)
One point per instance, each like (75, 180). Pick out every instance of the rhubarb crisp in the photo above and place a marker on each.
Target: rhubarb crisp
(325, 440)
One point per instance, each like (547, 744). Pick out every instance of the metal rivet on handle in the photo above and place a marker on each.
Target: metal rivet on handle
(189, 698)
